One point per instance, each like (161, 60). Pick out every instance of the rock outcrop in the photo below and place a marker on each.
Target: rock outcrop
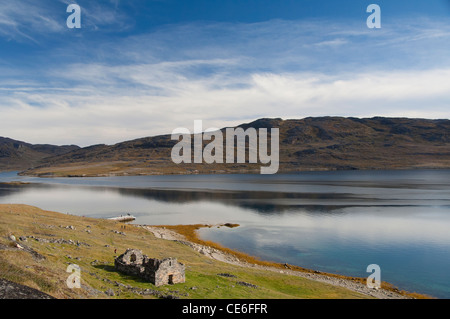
(11, 290)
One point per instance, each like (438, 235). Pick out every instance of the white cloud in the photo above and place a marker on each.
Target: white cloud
(226, 74)
(111, 113)
(21, 19)
(28, 20)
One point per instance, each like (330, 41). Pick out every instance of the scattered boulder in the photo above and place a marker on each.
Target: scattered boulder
(36, 256)
(110, 292)
(59, 241)
(118, 232)
(226, 275)
(246, 284)
(67, 227)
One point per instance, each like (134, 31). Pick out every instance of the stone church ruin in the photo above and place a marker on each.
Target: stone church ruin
(159, 272)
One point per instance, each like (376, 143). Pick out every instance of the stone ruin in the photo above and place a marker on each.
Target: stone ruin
(159, 272)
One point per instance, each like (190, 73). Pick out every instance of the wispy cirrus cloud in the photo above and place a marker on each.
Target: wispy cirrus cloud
(22, 19)
(28, 20)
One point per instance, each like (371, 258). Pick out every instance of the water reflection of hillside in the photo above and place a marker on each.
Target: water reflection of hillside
(258, 201)
(264, 202)
(261, 202)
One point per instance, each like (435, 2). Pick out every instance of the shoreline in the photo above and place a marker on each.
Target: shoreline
(37, 245)
(187, 235)
(72, 174)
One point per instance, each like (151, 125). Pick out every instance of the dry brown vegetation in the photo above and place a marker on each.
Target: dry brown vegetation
(324, 143)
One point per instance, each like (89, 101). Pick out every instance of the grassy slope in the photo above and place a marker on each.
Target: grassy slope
(50, 274)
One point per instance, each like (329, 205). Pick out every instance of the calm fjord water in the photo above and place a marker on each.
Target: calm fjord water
(337, 222)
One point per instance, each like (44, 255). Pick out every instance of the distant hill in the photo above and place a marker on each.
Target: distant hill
(314, 143)
(18, 155)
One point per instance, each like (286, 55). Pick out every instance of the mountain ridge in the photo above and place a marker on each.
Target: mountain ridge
(312, 143)
(19, 155)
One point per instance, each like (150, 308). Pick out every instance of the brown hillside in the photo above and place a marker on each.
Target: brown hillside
(18, 155)
(323, 143)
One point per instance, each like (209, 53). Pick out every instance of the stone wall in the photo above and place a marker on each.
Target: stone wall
(130, 262)
(159, 272)
(170, 271)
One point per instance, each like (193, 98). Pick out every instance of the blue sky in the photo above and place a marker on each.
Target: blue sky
(140, 68)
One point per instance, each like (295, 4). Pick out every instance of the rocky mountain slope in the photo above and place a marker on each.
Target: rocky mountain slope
(18, 155)
(322, 143)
